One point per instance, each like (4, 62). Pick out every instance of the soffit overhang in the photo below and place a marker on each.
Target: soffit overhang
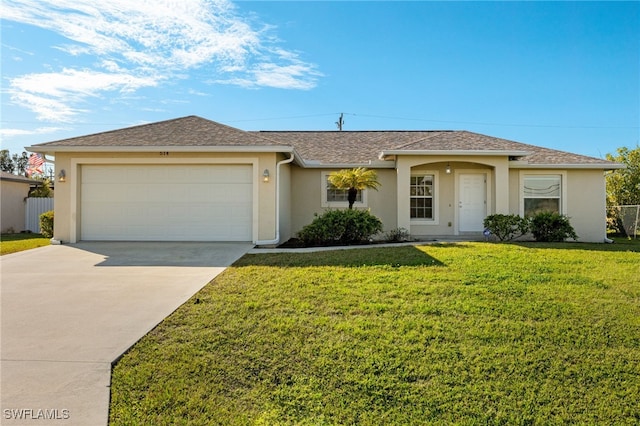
(456, 153)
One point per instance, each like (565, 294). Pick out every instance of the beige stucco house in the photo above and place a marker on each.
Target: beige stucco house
(13, 193)
(193, 179)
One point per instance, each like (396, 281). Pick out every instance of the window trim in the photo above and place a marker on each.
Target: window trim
(435, 197)
(338, 204)
(545, 173)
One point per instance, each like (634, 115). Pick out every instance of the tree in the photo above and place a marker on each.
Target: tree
(6, 163)
(43, 190)
(21, 162)
(16, 163)
(354, 180)
(623, 185)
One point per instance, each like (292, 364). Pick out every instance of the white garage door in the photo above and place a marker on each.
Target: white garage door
(166, 203)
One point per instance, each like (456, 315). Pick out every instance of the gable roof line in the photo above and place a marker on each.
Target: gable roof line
(10, 177)
(598, 166)
(351, 131)
(171, 148)
(320, 148)
(408, 144)
(456, 152)
(372, 164)
(190, 130)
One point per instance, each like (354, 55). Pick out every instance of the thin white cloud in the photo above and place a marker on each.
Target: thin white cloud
(46, 109)
(51, 96)
(142, 43)
(286, 72)
(21, 132)
(297, 76)
(82, 83)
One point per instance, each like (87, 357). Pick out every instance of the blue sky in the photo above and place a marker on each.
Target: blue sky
(564, 75)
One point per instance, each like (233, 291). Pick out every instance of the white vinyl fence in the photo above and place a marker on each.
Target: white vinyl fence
(35, 207)
(630, 218)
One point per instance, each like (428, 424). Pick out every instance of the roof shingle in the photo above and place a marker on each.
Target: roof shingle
(324, 147)
(185, 131)
(360, 147)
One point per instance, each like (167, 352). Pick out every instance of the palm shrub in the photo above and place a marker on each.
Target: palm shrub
(46, 224)
(507, 226)
(43, 190)
(551, 227)
(340, 227)
(354, 180)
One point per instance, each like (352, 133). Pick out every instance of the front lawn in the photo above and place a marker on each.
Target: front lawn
(469, 333)
(12, 243)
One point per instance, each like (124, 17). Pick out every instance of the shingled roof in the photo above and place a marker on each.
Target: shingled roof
(317, 147)
(361, 147)
(333, 147)
(179, 132)
(6, 176)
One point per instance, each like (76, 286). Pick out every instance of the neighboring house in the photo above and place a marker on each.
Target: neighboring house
(14, 191)
(193, 179)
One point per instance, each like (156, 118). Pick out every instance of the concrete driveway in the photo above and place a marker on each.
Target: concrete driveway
(69, 311)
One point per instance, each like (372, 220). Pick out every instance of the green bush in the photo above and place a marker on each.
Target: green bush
(340, 227)
(46, 224)
(507, 226)
(551, 227)
(398, 235)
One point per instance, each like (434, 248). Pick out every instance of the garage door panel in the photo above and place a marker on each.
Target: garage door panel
(167, 202)
(130, 193)
(230, 174)
(96, 175)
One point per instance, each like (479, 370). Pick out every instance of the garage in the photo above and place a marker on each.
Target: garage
(177, 202)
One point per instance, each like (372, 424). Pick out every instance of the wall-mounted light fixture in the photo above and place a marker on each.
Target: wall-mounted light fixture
(265, 175)
(448, 169)
(62, 176)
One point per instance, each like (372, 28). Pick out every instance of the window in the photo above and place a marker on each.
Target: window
(542, 193)
(422, 197)
(334, 197)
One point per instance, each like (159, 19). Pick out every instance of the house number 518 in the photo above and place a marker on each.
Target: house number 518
(164, 153)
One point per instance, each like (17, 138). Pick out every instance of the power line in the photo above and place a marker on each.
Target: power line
(283, 118)
(479, 123)
(498, 124)
(341, 119)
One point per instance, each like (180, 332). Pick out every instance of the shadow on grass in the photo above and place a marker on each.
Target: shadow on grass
(384, 256)
(620, 245)
(19, 237)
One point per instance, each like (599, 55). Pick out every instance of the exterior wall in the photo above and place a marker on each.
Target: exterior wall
(446, 222)
(587, 210)
(301, 192)
(13, 204)
(514, 192)
(383, 201)
(67, 206)
(285, 202)
(306, 195)
(583, 199)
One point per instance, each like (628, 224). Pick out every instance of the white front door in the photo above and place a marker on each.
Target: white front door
(472, 201)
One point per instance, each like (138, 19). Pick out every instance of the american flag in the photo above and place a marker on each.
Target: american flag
(34, 166)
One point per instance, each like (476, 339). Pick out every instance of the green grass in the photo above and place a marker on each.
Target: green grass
(469, 333)
(12, 243)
